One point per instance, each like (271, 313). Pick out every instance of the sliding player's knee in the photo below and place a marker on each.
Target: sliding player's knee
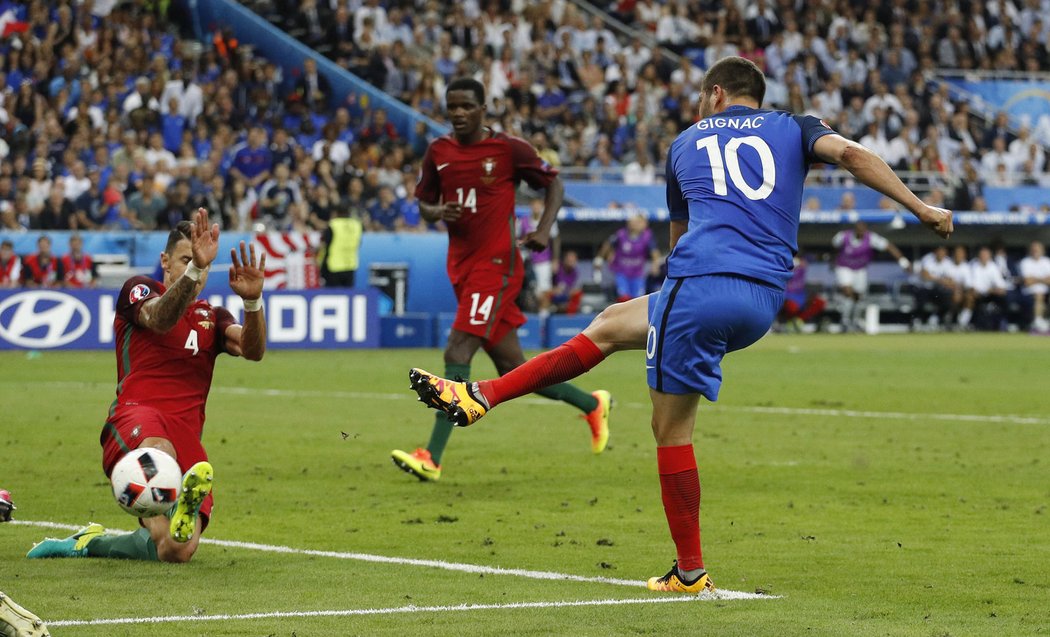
(161, 444)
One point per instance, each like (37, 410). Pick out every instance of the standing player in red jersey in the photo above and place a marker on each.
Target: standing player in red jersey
(166, 344)
(468, 180)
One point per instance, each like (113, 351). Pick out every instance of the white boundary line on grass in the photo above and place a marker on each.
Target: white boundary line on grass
(1011, 419)
(383, 611)
(441, 564)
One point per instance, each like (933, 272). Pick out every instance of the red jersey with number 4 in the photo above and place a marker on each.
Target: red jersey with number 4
(483, 177)
(170, 372)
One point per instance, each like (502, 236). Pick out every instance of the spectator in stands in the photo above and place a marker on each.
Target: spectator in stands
(1035, 277)
(856, 250)
(243, 202)
(253, 162)
(379, 130)
(144, 207)
(178, 206)
(641, 171)
(39, 186)
(40, 270)
(213, 198)
(992, 159)
(968, 188)
(76, 182)
(385, 214)
(632, 255)
(567, 291)
(77, 269)
(280, 201)
(57, 213)
(10, 266)
(340, 245)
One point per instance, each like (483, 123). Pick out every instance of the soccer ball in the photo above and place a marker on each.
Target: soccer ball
(146, 482)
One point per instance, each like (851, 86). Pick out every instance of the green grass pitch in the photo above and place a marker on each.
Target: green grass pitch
(889, 485)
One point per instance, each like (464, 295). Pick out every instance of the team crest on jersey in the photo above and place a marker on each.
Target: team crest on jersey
(206, 325)
(138, 293)
(488, 165)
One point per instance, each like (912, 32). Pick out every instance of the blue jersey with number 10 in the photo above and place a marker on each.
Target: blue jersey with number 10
(737, 177)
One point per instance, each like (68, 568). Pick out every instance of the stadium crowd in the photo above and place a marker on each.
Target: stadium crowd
(561, 78)
(112, 120)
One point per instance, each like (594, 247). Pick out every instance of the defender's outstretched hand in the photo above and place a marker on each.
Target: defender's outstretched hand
(247, 274)
(204, 241)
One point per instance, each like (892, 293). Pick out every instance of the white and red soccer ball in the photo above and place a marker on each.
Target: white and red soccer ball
(146, 482)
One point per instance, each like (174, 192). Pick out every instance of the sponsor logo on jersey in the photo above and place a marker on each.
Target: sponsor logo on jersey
(43, 319)
(488, 165)
(138, 293)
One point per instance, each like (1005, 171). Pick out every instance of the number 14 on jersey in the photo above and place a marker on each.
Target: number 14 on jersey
(471, 199)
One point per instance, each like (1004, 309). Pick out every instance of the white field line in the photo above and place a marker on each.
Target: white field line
(1011, 419)
(390, 611)
(383, 559)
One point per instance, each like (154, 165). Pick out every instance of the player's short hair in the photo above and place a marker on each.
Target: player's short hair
(738, 77)
(7, 243)
(181, 231)
(467, 84)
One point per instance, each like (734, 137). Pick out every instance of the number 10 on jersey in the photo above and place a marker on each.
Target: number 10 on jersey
(732, 163)
(470, 201)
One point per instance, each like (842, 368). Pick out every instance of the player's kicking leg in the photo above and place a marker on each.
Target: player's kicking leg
(16, 621)
(619, 327)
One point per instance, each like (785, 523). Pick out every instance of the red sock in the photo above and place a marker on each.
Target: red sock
(568, 360)
(680, 487)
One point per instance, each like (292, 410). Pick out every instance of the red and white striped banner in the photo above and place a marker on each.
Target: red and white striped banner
(290, 263)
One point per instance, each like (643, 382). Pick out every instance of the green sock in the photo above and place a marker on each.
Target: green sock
(570, 394)
(442, 425)
(130, 546)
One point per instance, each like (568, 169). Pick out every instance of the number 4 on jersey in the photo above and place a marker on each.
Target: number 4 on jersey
(471, 200)
(191, 342)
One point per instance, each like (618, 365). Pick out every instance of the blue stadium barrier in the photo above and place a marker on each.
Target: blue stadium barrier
(442, 326)
(531, 334)
(289, 53)
(561, 328)
(408, 330)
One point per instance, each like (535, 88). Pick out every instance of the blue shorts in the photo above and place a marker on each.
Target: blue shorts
(696, 321)
(632, 287)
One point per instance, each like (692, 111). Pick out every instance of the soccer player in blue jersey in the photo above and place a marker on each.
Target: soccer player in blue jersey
(734, 189)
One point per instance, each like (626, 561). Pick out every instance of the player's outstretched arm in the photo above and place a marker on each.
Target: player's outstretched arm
(875, 173)
(246, 279)
(161, 314)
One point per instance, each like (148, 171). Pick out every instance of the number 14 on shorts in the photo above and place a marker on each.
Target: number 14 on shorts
(480, 309)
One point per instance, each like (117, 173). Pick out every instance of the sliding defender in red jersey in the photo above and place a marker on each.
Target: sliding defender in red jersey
(167, 341)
